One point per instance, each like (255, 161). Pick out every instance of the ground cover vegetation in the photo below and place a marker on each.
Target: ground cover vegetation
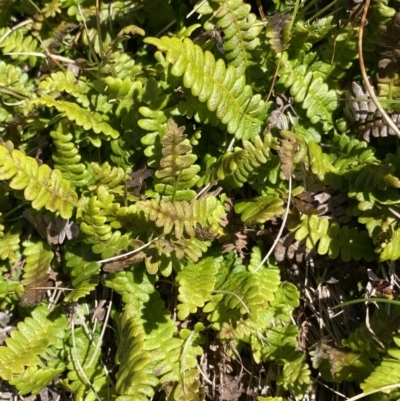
(188, 189)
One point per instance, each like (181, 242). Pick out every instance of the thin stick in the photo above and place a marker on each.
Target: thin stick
(236, 296)
(281, 229)
(383, 388)
(14, 28)
(78, 363)
(195, 9)
(370, 90)
(128, 253)
(102, 332)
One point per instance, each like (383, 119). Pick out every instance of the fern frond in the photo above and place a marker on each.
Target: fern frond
(34, 379)
(19, 41)
(42, 186)
(133, 382)
(82, 117)
(309, 90)
(155, 121)
(67, 158)
(81, 265)
(222, 88)
(241, 166)
(333, 239)
(66, 82)
(182, 217)
(38, 256)
(30, 341)
(107, 175)
(85, 379)
(387, 372)
(9, 243)
(196, 283)
(241, 32)
(260, 209)
(177, 173)
(95, 216)
(192, 247)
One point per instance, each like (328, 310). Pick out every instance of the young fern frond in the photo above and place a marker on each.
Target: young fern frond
(259, 210)
(82, 117)
(94, 217)
(19, 41)
(236, 168)
(42, 186)
(10, 243)
(177, 172)
(333, 240)
(182, 217)
(66, 82)
(33, 337)
(241, 32)
(67, 159)
(387, 372)
(107, 175)
(309, 90)
(222, 88)
(154, 120)
(133, 382)
(38, 256)
(81, 265)
(196, 283)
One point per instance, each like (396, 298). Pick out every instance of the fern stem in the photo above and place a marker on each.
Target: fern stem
(371, 91)
(131, 252)
(96, 350)
(281, 229)
(202, 191)
(78, 363)
(14, 28)
(383, 388)
(195, 8)
(317, 14)
(236, 296)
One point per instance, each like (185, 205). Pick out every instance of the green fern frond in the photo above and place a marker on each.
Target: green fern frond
(38, 256)
(67, 159)
(387, 372)
(107, 175)
(135, 286)
(222, 88)
(192, 247)
(196, 283)
(30, 341)
(341, 49)
(241, 32)
(9, 243)
(155, 120)
(177, 172)
(241, 166)
(182, 217)
(42, 186)
(260, 209)
(34, 379)
(333, 239)
(309, 90)
(382, 325)
(19, 41)
(133, 382)
(66, 82)
(81, 265)
(86, 379)
(82, 117)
